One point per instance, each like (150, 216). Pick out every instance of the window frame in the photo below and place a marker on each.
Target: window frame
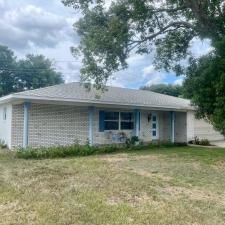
(156, 129)
(119, 120)
(112, 120)
(127, 121)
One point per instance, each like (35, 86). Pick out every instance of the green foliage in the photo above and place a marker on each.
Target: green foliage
(133, 141)
(205, 85)
(34, 71)
(111, 33)
(86, 150)
(63, 151)
(205, 142)
(197, 141)
(167, 89)
(2, 144)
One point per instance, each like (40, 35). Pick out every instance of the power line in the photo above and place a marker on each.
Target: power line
(53, 61)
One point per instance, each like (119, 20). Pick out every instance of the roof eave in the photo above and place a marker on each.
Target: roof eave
(16, 97)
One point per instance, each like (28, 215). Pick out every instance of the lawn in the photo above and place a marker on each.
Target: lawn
(173, 186)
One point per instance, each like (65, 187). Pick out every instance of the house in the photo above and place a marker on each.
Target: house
(62, 114)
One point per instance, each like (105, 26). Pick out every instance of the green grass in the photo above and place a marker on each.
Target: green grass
(176, 186)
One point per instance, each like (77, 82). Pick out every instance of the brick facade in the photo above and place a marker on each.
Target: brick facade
(62, 125)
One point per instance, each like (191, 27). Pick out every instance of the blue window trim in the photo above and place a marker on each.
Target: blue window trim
(102, 120)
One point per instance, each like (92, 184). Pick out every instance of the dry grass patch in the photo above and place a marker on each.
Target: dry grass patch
(164, 186)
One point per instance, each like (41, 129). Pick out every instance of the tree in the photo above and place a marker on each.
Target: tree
(25, 74)
(7, 70)
(205, 85)
(110, 34)
(36, 71)
(167, 89)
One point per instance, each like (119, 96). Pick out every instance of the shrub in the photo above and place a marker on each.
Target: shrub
(204, 142)
(197, 141)
(134, 140)
(79, 150)
(2, 144)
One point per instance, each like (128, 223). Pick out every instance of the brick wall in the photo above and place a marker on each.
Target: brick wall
(62, 125)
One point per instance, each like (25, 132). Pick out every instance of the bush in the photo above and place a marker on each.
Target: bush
(2, 144)
(79, 150)
(204, 142)
(63, 151)
(133, 141)
(197, 141)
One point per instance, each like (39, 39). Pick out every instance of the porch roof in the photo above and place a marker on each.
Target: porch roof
(77, 93)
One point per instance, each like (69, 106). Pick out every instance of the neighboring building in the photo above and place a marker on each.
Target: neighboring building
(62, 114)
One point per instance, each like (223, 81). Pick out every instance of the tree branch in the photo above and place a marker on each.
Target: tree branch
(164, 29)
(170, 10)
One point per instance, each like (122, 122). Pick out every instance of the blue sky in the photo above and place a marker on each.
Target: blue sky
(45, 27)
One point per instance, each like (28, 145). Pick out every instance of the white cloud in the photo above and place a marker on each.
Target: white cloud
(28, 25)
(45, 27)
(179, 81)
(153, 76)
(200, 47)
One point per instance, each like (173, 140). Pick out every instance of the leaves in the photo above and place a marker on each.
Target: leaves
(110, 33)
(25, 74)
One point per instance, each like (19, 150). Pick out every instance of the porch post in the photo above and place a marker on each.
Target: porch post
(137, 122)
(172, 117)
(91, 110)
(26, 107)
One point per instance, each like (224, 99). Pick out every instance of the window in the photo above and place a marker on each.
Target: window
(126, 121)
(111, 121)
(115, 121)
(154, 127)
(5, 113)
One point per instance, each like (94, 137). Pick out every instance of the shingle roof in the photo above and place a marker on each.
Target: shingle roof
(114, 95)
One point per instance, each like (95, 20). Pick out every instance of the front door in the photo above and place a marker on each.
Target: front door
(154, 127)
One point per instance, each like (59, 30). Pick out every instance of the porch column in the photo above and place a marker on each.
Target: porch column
(26, 107)
(137, 122)
(91, 110)
(172, 119)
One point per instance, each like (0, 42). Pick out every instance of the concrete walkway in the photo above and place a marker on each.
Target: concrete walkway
(220, 144)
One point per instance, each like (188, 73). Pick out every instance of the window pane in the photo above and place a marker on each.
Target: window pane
(111, 116)
(153, 133)
(154, 118)
(126, 116)
(111, 125)
(154, 126)
(127, 125)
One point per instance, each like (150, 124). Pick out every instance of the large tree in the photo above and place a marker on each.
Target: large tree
(112, 30)
(205, 85)
(167, 89)
(110, 33)
(34, 71)
(7, 70)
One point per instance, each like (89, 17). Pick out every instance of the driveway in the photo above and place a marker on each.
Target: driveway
(218, 143)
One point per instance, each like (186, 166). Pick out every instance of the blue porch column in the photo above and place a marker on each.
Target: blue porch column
(26, 107)
(91, 110)
(137, 122)
(172, 122)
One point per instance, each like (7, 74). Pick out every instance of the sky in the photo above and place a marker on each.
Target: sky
(46, 27)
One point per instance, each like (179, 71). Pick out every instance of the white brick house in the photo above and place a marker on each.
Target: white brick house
(62, 114)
